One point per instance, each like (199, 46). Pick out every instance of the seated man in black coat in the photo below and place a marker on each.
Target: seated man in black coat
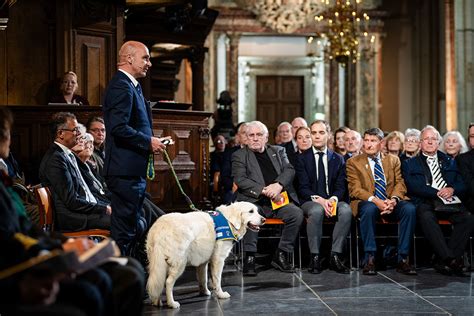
(466, 167)
(431, 177)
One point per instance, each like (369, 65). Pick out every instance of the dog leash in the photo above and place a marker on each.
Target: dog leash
(188, 200)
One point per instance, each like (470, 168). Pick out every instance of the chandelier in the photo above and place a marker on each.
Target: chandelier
(284, 16)
(345, 33)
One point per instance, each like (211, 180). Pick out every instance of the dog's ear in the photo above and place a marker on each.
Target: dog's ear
(233, 215)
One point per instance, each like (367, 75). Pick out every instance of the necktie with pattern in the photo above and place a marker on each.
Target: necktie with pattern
(379, 177)
(438, 181)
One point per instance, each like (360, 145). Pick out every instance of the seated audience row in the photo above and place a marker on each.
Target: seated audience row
(376, 183)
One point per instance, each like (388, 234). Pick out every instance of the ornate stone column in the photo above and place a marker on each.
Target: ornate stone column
(464, 56)
(366, 109)
(232, 70)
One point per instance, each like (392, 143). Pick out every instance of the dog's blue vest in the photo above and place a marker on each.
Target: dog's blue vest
(221, 226)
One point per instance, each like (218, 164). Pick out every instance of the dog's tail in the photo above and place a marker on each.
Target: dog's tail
(157, 271)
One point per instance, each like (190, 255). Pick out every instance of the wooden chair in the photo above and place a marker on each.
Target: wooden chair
(46, 216)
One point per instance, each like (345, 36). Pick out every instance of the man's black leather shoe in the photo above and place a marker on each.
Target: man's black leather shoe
(249, 266)
(457, 268)
(336, 264)
(315, 265)
(405, 267)
(369, 268)
(280, 261)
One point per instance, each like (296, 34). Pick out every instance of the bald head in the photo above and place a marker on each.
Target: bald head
(134, 58)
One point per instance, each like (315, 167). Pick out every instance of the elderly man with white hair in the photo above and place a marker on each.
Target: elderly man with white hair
(433, 180)
(262, 173)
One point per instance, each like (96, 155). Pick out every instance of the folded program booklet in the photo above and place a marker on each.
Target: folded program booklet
(98, 254)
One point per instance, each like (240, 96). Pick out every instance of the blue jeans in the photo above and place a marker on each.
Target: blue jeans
(404, 212)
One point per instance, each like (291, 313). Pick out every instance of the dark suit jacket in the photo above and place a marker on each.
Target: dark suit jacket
(418, 177)
(466, 167)
(290, 152)
(307, 178)
(128, 122)
(72, 210)
(249, 178)
(226, 179)
(361, 182)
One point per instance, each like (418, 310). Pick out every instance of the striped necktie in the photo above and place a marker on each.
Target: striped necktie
(438, 181)
(379, 177)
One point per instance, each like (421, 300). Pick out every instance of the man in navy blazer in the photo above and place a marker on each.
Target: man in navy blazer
(318, 190)
(430, 176)
(130, 143)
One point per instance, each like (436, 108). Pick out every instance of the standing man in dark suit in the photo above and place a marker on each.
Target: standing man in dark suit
(376, 188)
(76, 207)
(322, 181)
(466, 167)
(430, 176)
(262, 172)
(130, 143)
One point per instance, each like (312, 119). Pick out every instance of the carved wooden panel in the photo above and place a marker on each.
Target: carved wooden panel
(279, 98)
(90, 65)
(189, 155)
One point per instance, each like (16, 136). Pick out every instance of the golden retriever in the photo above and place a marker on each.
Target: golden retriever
(179, 239)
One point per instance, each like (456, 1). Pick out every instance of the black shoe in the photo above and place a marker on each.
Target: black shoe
(456, 267)
(441, 268)
(369, 268)
(280, 261)
(315, 265)
(249, 266)
(336, 264)
(405, 268)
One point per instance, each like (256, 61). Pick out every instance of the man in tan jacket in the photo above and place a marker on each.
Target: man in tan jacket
(376, 189)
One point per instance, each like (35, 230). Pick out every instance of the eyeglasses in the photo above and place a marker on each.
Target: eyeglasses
(219, 142)
(96, 130)
(412, 141)
(72, 130)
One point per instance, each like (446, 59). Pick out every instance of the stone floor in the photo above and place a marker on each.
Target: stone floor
(301, 293)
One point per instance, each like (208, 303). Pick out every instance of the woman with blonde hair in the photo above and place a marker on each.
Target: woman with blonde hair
(394, 142)
(68, 89)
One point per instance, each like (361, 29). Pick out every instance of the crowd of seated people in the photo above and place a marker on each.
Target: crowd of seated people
(370, 176)
(37, 277)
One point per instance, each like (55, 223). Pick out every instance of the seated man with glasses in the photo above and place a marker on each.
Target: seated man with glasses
(263, 174)
(76, 208)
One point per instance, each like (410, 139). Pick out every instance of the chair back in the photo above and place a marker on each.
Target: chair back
(45, 208)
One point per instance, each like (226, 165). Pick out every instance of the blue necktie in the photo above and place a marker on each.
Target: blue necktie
(321, 184)
(380, 186)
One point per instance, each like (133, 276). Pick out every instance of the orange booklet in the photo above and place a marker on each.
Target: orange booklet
(282, 202)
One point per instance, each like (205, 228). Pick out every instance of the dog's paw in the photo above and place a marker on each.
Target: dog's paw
(173, 304)
(223, 295)
(205, 292)
(156, 302)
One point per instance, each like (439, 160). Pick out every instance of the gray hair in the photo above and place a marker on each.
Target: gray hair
(82, 128)
(412, 132)
(88, 137)
(460, 138)
(259, 125)
(431, 127)
(283, 124)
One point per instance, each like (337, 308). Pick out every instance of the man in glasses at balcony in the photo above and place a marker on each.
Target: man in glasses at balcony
(76, 208)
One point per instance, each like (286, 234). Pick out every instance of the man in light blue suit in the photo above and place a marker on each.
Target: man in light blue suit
(130, 144)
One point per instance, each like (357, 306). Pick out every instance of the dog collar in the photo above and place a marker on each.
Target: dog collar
(222, 226)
